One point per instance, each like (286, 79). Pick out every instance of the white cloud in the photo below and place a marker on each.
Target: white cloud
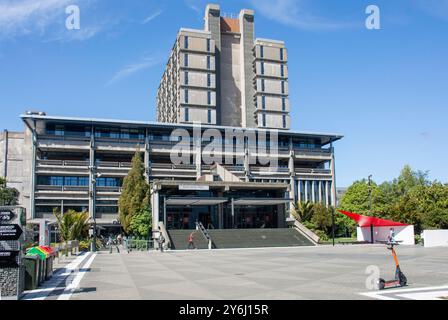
(152, 16)
(19, 17)
(293, 13)
(37, 17)
(131, 69)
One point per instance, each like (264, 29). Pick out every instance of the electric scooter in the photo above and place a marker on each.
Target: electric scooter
(400, 279)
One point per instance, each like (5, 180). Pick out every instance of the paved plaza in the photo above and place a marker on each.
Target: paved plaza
(323, 272)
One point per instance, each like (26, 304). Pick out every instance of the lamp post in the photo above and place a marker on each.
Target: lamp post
(370, 206)
(94, 175)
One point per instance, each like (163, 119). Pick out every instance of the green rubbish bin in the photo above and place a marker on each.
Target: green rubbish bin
(42, 271)
(49, 267)
(31, 264)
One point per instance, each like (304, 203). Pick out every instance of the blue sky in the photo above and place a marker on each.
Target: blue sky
(385, 90)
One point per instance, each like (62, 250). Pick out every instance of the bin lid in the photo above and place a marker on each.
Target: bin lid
(48, 250)
(36, 251)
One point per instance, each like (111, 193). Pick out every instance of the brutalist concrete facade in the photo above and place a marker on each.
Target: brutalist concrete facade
(247, 83)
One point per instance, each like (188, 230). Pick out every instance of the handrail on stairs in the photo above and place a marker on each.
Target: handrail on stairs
(200, 227)
(162, 229)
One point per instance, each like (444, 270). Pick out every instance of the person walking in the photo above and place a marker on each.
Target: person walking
(392, 235)
(161, 242)
(191, 241)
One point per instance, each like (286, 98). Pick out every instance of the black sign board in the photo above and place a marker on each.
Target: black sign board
(10, 232)
(6, 215)
(8, 259)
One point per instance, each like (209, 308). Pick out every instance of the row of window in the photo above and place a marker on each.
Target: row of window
(263, 86)
(82, 131)
(78, 181)
(112, 133)
(186, 44)
(263, 120)
(282, 69)
(187, 115)
(209, 96)
(263, 103)
(209, 79)
(262, 52)
(99, 209)
(186, 61)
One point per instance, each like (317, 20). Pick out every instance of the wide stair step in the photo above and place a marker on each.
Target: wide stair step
(253, 238)
(179, 239)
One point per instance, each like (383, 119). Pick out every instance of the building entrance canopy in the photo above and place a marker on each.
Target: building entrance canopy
(260, 201)
(194, 201)
(209, 201)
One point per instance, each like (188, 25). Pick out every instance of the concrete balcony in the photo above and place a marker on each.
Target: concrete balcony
(54, 143)
(110, 168)
(62, 167)
(167, 170)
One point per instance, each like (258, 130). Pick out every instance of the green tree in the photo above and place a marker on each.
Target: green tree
(322, 217)
(302, 211)
(72, 225)
(410, 198)
(134, 202)
(141, 223)
(357, 198)
(8, 196)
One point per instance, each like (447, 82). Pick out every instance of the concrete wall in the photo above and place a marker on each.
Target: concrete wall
(402, 233)
(196, 61)
(435, 238)
(246, 23)
(197, 97)
(231, 85)
(15, 163)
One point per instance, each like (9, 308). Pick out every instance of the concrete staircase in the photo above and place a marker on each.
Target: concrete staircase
(253, 238)
(179, 239)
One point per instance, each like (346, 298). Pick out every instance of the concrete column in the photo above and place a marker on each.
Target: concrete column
(281, 215)
(164, 211)
(33, 171)
(220, 213)
(320, 191)
(155, 210)
(333, 177)
(92, 174)
(198, 158)
(292, 192)
(246, 162)
(246, 22)
(313, 194)
(146, 160)
(5, 153)
(213, 24)
(233, 213)
(299, 191)
(306, 190)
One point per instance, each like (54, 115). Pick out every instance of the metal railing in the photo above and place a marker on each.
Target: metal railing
(208, 238)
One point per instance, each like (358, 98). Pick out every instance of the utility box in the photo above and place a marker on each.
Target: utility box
(12, 272)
